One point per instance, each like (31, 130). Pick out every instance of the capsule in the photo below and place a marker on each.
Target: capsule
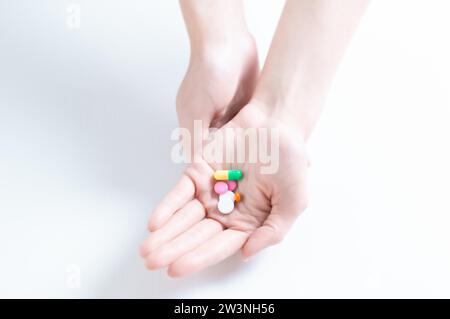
(228, 175)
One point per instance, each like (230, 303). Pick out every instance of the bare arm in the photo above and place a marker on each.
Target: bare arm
(308, 44)
(307, 47)
(212, 23)
(223, 66)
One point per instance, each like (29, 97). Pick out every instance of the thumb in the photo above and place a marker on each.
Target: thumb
(272, 232)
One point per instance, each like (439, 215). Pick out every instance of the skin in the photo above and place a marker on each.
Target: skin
(187, 232)
(223, 67)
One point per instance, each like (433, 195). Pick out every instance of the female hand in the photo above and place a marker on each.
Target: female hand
(187, 231)
(219, 81)
(223, 67)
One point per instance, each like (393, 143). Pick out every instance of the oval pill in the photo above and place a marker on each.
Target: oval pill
(231, 175)
(237, 197)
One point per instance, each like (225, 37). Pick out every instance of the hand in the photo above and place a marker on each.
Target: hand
(189, 234)
(219, 82)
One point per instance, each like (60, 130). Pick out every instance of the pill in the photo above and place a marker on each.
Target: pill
(220, 187)
(228, 175)
(237, 197)
(232, 185)
(227, 195)
(225, 205)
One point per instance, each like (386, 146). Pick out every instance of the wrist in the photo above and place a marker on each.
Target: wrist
(213, 24)
(298, 108)
(220, 50)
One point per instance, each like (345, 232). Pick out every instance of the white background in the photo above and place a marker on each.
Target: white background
(85, 122)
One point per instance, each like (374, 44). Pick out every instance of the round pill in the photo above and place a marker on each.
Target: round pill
(220, 188)
(232, 185)
(227, 195)
(225, 206)
(237, 197)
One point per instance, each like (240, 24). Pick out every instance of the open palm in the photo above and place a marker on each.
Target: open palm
(188, 232)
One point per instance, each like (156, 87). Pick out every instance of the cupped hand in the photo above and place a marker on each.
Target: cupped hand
(218, 83)
(187, 231)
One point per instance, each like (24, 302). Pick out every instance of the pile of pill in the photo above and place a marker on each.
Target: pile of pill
(225, 186)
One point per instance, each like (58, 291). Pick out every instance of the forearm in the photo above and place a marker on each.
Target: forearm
(308, 44)
(213, 23)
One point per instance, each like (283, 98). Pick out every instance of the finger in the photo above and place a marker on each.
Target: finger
(174, 200)
(219, 247)
(189, 215)
(184, 243)
(286, 207)
(272, 232)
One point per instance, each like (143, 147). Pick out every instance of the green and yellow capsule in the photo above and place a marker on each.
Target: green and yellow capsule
(228, 175)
